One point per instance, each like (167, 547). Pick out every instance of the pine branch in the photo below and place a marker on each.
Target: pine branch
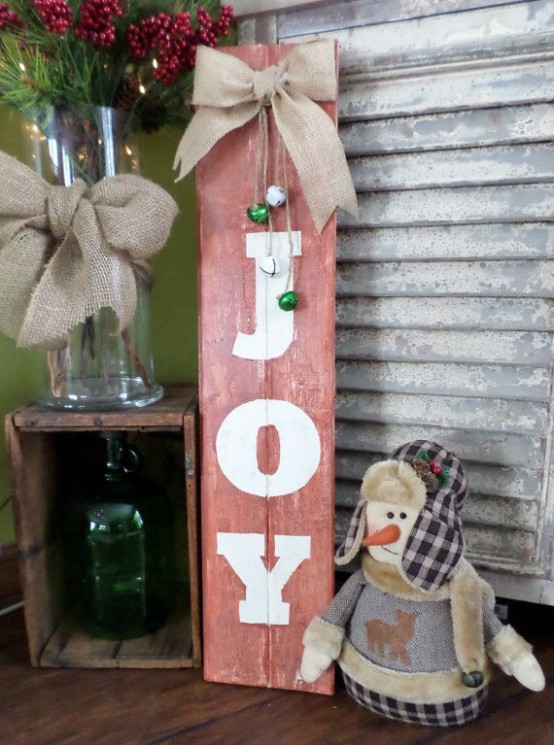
(40, 69)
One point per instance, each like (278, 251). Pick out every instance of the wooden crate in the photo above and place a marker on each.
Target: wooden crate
(47, 450)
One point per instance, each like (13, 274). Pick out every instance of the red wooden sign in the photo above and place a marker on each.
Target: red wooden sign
(267, 384)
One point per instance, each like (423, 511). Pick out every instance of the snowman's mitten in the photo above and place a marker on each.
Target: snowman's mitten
(513, 655)
(322, 644)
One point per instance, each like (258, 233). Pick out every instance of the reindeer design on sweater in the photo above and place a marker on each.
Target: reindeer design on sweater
(397, 636)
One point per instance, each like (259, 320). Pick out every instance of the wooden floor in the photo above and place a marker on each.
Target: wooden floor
(124, 707)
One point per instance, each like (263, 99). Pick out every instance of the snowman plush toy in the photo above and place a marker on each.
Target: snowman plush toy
(414, 628)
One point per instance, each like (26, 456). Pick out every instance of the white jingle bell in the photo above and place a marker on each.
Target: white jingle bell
(275, 196)
(270, 266)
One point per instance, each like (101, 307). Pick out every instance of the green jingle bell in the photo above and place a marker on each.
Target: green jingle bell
(288, 300)
(258, 212)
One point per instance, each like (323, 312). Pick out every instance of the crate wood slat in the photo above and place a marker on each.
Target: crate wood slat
(32, 491)
(190, 429)
(246, 651)
(170, 646)
(39, 442)
(164, 414)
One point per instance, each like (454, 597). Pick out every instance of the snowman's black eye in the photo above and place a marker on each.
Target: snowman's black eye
(403, 515)
(390, 515)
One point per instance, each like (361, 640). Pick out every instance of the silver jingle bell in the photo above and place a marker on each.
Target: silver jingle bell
(270, 266)
(275, 196)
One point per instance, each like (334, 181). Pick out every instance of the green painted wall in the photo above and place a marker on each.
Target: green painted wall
(174, 298)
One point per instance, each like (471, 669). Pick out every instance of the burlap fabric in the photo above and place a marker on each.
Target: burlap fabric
(229, 93)
(66, 252)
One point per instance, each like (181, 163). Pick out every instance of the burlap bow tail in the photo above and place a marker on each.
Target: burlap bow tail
(229, 93)
(66, 252)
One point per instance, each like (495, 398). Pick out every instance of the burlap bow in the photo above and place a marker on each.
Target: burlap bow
(229, 93)
(66, 252)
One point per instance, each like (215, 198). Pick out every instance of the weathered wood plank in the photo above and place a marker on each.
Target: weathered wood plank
(325, 16)
(509, 164)
(498, 447)
(164, 414)
(169, 647)
(431, 279)
(448, 242)
(484, 478)
(493, 415)
(34, 492)
(250, 7)
(480, 509)
(492, 543)
(534, 314)
(376, 96)
(487, 381)
(453, 130)
(484, 204)
(462, 101)
(480, 541)
(259, 508)
(492, 512)
(478, 34)
(398, 345)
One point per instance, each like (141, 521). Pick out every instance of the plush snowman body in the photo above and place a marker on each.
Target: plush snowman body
(413, 628)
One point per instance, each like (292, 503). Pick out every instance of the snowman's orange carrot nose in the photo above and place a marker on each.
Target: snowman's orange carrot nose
(389, 534)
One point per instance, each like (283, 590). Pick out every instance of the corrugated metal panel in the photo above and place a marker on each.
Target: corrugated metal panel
(445, 285)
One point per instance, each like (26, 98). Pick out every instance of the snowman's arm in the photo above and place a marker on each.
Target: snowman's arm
(324, 635)
(511, 652)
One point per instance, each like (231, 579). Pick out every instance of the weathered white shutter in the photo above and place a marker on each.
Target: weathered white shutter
(445, 285)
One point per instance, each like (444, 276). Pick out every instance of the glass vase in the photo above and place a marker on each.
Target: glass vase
(99, 367)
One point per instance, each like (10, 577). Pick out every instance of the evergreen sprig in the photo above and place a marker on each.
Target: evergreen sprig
(40, 67)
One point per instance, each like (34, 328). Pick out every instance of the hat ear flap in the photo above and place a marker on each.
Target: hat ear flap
(351, 545)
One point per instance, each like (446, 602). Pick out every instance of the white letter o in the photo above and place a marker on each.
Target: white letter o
(236, 447)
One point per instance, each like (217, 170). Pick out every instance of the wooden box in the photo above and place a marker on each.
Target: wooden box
(47, 449)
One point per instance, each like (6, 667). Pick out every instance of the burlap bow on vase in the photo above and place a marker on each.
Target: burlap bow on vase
(67, 252)
(229, 93)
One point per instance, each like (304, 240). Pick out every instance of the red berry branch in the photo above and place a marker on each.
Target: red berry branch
(55, 14)
(127, 54)
(96, 21)
(173, 40)
(9, 18)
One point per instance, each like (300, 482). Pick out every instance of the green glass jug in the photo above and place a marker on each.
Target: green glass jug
(121, 555)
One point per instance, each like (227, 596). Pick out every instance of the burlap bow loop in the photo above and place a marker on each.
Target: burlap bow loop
(229, 93)
(66, 252)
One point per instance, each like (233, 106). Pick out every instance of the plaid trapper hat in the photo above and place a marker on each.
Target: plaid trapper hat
(435, 545)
